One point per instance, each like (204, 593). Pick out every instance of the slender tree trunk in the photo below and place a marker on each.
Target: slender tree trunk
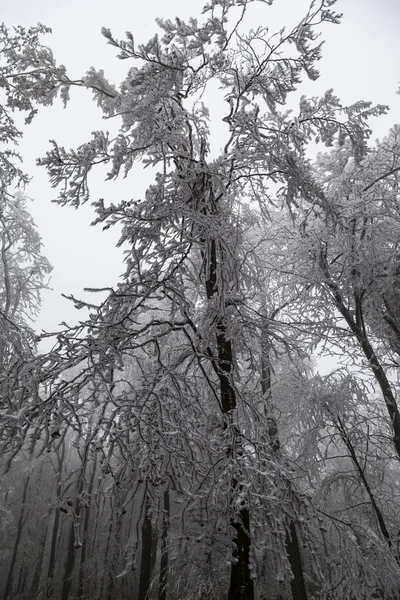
(145, 563)
(379, 515)
(56, 525)
(22, 577)
(17, 539)
(39, 562)
(85, 531)
(70, 560)
(74, 542)
(116, 554)
(297, 583)
(53, 550)
(106, 573)
(154, 546)
(163, 583)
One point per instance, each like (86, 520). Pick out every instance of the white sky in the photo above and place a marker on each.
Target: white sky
(361, 61)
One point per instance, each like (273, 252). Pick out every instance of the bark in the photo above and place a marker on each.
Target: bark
(20, 526)
(297, 583)
(241, 585)
(146, 554)
(162, 588)
(116, 554)
(70, 560)
(74, 543)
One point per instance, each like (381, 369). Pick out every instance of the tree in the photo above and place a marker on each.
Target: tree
(349, 253)
(184, 312)
(28, 77)
(186, 230)
(23, 273)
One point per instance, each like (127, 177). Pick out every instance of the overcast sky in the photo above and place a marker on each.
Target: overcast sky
(361, 61)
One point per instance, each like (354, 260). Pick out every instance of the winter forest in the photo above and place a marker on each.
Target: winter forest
(178, 442)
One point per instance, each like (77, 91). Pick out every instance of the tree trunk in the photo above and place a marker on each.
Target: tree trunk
(85, 531)
(69, 563)
(106, 574)
(17, 539)
(162, 588)
(22, 577)
(53, 548)
(297, 583)
(39, 562)
(74, 542)
(56, 525)
(241, 585)
(116, 554)
(146, 554)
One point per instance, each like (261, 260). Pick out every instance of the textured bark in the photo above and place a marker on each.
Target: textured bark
(241, 585)
(162, 588)
(297, 583)
(146, 554)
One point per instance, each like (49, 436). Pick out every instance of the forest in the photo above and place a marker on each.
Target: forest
(179, 442)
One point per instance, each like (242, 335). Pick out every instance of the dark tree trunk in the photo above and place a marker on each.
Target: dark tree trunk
(116, 553)
(22, 577)
(241, 585)
(146, 554)
(162, 588)
(297, 583)
(17, 540)
(69, 563)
